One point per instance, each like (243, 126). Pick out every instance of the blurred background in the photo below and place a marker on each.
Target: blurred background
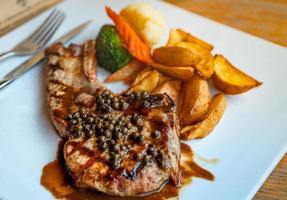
(264, 18)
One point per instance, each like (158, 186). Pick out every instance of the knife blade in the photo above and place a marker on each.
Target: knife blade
(25, 66)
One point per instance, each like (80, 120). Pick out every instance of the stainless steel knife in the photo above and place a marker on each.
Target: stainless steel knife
(25, 66)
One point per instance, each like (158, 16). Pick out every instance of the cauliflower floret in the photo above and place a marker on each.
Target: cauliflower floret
(146, 21)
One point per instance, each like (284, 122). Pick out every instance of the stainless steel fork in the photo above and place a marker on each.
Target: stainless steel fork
(39, 37)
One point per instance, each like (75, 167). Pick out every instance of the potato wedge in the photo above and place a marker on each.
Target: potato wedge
(128, 71)
(212, 117)
(178, 35)
(163, 78)
(231, 80)
(171, 88)
(205, 68)
(175, 56)
(140, 76)
(178, 72)
(148, 83)
(196, 99)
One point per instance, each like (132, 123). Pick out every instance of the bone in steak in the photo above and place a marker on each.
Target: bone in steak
(123, 145)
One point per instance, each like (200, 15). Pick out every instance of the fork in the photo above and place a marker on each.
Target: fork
(38, 38)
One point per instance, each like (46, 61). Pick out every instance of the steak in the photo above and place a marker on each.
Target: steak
(120, 144)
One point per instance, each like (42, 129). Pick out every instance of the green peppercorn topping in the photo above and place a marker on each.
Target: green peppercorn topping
(156, 134)
(140, 139)
(103, 146)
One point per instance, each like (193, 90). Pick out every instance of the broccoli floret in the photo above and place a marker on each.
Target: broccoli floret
(110, 53)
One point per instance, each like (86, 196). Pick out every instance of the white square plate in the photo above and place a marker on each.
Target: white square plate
(249, 140)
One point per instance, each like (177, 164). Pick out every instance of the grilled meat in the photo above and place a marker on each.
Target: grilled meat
(120, 144)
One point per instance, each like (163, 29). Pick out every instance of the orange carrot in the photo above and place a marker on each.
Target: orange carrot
(133, 42)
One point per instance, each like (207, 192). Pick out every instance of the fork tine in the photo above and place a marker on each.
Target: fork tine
(52, 30)
(43, 25)
(47, 27)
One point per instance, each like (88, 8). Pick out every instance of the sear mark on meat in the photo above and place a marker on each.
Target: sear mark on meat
(120, 144)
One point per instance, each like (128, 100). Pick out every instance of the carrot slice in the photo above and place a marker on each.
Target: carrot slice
(134, 44)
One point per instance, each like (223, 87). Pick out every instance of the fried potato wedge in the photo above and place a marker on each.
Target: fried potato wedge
(212, 117)
(140, 76)
(231, 80)
(175, 56)
(195, 100)
(148, 83)
(171, 88)
(177, 72)
(163, 78)
(177, 35)
(205, 68)
(127, 72)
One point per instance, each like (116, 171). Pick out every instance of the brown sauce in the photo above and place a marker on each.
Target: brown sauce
(54, 179)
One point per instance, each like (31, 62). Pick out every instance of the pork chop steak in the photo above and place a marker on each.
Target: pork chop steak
(120, 144)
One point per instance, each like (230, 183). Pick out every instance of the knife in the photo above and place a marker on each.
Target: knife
(25, 66)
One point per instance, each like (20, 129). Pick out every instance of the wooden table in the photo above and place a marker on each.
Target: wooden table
(263, 18)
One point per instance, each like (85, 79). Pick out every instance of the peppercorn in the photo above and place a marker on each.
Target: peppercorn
(114, 156)
(99, 125)
(134, 129)
(102, 139)
(110, 127)
(134, 136)
(125, 130)
(137, 95)
(111, 142)
(129, 125)
(116, 105)
(76, 115)
(109, 109)
(69, 117)
(129, 146)
(162, 163)
(117, 128)
(76, 134)
(105, 92)
(101, 101)
(90, 120)
(90, 133)
(107, 134)
(99, 97)
(132, 96)
(108, 101)
(146, 104)
(139, 121)
(152, 151)
(115, 99)
(116, 148)
(156, 134)
(145, 95)
(140, 139)
(103, 146)
(118, 135)
(73, 121)
(93, 127)
(137, 156)
(147, 160)
(100, 131)
(123, 105)
(115, 164)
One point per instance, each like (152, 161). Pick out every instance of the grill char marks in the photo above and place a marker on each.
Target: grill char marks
(117, 144)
